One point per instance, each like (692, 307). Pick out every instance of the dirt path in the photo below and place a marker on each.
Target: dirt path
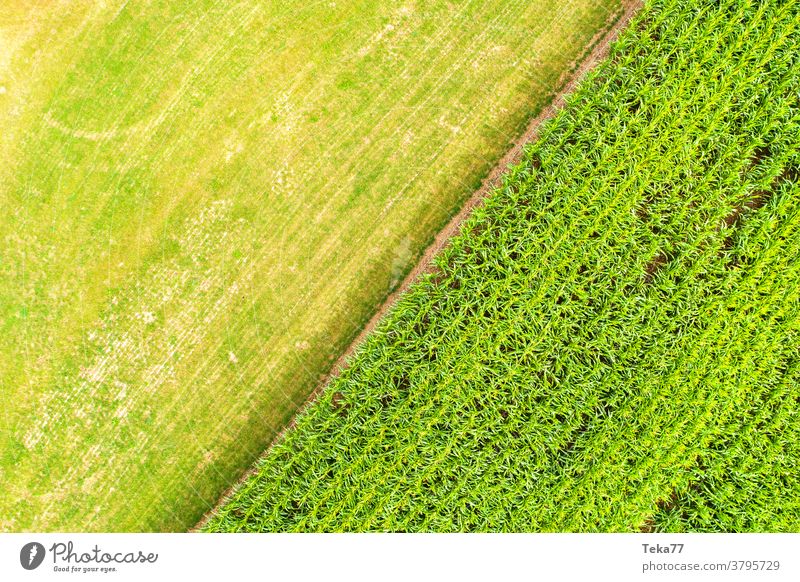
(598, 48)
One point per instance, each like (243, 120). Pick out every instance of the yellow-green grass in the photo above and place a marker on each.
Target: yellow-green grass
(203, 202)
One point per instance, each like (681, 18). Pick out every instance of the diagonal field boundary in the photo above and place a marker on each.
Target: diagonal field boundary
(596, 50)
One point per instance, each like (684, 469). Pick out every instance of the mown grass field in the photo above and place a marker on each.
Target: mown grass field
(613, 342)
(202, 203)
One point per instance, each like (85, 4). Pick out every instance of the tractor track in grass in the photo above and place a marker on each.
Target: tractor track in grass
(596, 50)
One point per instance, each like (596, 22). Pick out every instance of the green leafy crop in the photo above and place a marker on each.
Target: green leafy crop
(612, 342)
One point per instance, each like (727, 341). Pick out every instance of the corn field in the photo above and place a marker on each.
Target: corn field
(612, 343)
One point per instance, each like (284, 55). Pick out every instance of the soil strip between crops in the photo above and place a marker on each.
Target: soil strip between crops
(598, 49)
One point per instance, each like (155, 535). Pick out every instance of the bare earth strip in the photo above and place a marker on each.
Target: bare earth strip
(596, 50)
